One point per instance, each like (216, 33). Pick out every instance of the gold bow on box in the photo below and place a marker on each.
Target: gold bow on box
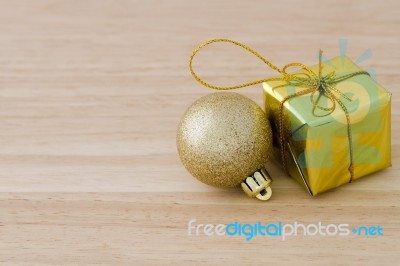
(308, 107)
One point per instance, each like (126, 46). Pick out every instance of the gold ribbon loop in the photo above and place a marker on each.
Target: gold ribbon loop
(323, 85)
(302, 66)
(208, 85)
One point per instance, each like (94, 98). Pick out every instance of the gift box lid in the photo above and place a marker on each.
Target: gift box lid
(365, 94)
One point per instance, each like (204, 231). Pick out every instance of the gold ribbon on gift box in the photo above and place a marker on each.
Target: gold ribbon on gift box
(322, 85)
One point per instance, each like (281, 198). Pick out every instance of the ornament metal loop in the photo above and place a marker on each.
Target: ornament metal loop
(258, 185)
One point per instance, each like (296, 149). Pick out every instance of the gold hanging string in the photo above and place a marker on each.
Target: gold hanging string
(324, 85)
(208, 85)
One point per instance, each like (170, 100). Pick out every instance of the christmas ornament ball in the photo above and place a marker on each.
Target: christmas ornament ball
(223, 138)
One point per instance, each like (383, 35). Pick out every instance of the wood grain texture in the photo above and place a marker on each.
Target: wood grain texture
(91, 95)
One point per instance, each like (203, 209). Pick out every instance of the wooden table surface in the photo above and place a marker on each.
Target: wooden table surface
(91, 95)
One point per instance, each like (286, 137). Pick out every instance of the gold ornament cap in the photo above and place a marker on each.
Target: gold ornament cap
(258, 185)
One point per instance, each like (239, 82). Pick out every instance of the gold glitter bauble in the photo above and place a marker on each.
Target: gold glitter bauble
(223, 138)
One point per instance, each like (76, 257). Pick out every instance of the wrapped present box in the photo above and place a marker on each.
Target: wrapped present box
(320, 143)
